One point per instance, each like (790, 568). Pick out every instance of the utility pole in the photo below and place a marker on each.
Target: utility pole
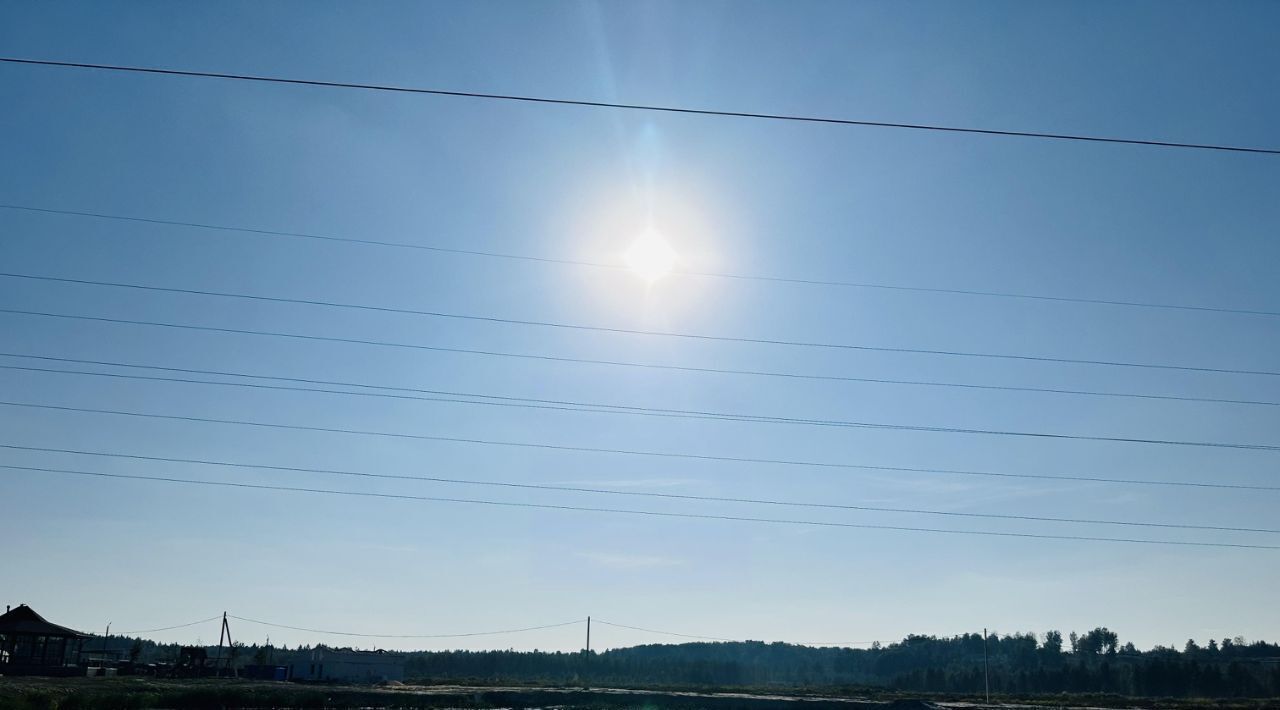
(102, 662)
(986, 666)
(224, 632)
(586, 658)
(231, 650)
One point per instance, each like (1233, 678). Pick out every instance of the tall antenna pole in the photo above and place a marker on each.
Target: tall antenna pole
(588, 636)
(986, 666)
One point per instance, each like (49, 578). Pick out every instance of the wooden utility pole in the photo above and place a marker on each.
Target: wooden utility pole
(217, 660)
(102, 662)
(586, 658)
(986, 666)
(224, 632)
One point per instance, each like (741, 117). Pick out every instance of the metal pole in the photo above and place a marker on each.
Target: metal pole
(588, 636)
(986, 666)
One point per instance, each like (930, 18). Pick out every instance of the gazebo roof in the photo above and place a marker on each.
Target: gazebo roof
(22, 619)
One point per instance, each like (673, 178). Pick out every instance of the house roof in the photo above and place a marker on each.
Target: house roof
(22, 619)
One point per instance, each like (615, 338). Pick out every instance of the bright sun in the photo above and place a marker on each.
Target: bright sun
(651, 257)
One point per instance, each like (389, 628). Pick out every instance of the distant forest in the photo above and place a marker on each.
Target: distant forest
(1020, 664)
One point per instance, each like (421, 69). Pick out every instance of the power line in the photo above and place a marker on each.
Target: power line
(627, 331)
(625, 511)
(587, 361)
(409, 636)
(579, 406)
(595, 408)
(1148, 655)
(632, 452)
(666, 633)
(685, 272)
(170, 628)
(501, 632)
(639, 107)
(515, 402)
(727, 640)
(640, 494)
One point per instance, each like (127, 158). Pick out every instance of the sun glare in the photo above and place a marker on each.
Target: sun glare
(651, 257)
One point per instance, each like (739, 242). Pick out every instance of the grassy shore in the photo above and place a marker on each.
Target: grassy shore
(193, 694)
(215, 694)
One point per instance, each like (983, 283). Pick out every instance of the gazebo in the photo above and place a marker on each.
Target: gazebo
(29, 645)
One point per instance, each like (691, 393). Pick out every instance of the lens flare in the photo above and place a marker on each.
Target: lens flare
(651, 257)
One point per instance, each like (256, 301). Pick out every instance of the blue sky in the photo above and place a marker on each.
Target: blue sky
(730, 195)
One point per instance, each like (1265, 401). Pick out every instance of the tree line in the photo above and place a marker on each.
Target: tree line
(1020, 663)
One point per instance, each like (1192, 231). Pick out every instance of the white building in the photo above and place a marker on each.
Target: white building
(348, 666)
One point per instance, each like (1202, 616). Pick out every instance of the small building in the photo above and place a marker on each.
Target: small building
(29, 645)
(345, 665)
(256, 671)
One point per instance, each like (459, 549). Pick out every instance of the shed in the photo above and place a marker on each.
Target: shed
(30, 645)
(348, 665)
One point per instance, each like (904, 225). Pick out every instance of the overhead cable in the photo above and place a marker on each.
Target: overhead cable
(626, 331)
(409, 636)
(651, 513)
(637, 107)
(627, 452)
(170, 628)
(593, 408)
(572, 360)
(611, 266)
(638, 494)
(726, 640)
